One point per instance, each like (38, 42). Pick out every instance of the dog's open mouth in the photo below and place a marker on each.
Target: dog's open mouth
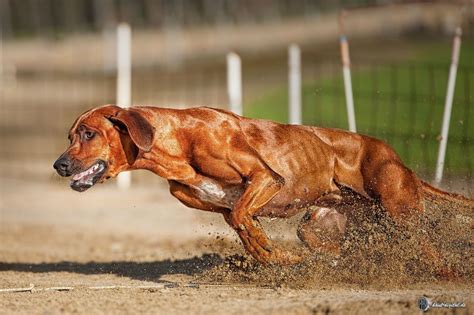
(86, 179)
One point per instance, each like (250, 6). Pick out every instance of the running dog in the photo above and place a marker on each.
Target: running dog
(245, 168)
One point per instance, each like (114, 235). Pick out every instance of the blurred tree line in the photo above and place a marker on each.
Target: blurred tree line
(53, 18)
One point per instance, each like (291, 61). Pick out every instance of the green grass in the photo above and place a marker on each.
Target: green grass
(402, 104)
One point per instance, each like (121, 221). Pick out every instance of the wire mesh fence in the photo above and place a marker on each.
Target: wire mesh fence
(37, 110)
(401, 103)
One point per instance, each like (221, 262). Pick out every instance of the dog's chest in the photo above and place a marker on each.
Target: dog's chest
(212, 192)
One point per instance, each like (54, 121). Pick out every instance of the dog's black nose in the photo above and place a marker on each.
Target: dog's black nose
(62, 166)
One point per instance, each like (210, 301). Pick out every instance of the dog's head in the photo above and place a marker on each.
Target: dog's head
(104, 142)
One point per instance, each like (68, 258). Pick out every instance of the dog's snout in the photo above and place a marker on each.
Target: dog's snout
(62, 166)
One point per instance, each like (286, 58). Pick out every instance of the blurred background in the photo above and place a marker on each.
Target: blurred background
(58, 58)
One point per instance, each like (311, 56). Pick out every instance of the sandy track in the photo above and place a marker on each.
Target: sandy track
(48, 257)
(55, 237)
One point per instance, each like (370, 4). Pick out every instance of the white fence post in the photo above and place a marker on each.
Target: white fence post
(124, 82)
(448, 105)
(294, 85)
(234, 82)
(346, 71)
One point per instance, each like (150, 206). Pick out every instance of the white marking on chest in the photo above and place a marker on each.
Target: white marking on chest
(212, 190)
(213, 193)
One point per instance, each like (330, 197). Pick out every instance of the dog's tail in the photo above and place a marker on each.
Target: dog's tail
(436, 195)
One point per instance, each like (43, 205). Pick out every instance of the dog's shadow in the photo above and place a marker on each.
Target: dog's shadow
(145, 271)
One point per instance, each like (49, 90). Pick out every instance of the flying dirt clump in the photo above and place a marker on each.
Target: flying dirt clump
(376, 252)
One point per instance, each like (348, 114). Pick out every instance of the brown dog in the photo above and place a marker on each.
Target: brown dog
(246, 168)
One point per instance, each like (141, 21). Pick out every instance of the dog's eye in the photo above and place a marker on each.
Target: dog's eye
(88, 135)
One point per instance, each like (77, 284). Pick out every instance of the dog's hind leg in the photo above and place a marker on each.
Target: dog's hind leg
(397, 188)
(401, 195)
(322, 229)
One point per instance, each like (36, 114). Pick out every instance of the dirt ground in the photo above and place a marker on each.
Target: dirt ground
(154, 255)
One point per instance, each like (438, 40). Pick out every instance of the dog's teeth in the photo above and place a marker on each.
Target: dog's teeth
(78, 176)
(89, 171)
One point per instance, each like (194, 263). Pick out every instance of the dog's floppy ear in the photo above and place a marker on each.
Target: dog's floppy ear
(132, 122)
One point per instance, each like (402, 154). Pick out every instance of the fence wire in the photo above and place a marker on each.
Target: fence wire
(400, 103)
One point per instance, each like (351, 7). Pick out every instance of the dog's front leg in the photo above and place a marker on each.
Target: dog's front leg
(262, 188)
